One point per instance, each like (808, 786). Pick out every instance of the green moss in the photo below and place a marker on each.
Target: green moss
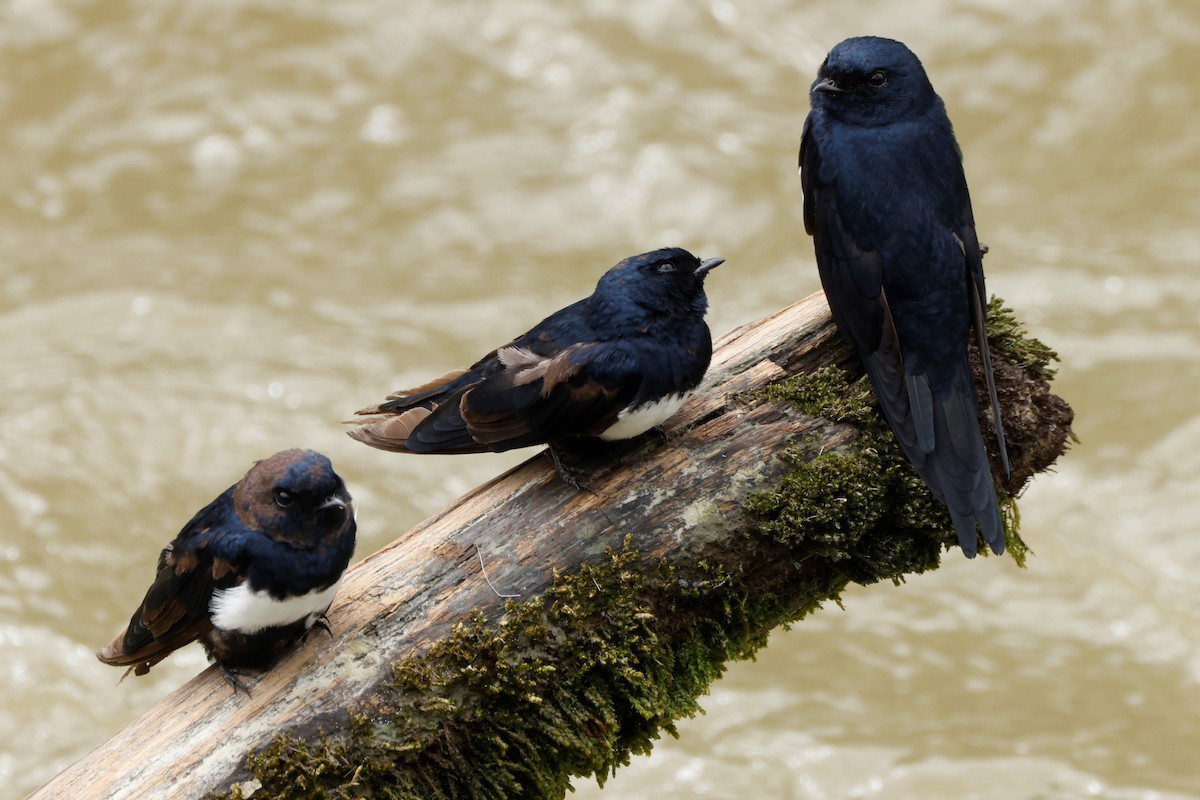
(572, 683)
(862, 507)
(823, 393)
(304, 768)
(1010, 513)
(1009, 338)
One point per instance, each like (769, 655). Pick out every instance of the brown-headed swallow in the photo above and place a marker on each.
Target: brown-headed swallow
(250, 574)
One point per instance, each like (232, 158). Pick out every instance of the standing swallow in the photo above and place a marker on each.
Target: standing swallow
(886, 202)
(251, 572)
(611, 366)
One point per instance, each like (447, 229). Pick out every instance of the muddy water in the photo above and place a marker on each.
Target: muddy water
(225, 225)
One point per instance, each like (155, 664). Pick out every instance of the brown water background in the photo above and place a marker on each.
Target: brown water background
(226, 224)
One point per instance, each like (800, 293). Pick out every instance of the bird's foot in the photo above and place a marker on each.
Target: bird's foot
(572, 476)
(323, 623)
(234, 679)
(660, 433)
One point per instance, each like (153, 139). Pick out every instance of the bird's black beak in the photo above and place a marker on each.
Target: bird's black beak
(333, 501)
(334, 511)
(827, 86)
(708, 264)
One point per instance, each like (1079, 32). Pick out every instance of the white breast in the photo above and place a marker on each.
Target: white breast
(246, 611)
(635, 421)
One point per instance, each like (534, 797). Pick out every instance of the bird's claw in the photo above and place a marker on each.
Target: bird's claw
(234, 679)
(322, 622)
(571, 476)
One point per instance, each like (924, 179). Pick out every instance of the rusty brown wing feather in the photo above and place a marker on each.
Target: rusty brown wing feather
(539, 399)
(391, 422)
(174, 613)
(428, 394)
(526, 393)
(386, 430)
(175, 610)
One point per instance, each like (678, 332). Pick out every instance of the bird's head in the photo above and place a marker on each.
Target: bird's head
(669, 281)
(295, 498)
(871, 81)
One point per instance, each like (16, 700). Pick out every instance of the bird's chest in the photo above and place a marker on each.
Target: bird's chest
(637, 419)
(888, 181)
(247, 610)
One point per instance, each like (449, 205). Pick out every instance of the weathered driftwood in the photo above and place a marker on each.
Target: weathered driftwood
(678, 511)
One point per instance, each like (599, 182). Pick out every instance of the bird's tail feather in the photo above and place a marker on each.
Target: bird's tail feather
(114, 652)
(959, 469)
(428, 394)
(388, 431)
(942, 438)
(979, 321)
(141, 659)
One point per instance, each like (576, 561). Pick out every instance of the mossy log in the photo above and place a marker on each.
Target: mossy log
(530, 633)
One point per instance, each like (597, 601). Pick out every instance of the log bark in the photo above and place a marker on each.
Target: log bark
(680, 499)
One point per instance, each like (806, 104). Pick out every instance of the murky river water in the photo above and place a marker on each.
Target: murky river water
(225, 225)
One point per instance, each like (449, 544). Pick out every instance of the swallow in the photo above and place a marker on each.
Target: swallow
(250, 573)
(611, 366)
(886, 202)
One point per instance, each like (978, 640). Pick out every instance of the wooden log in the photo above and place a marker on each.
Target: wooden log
(434, 684)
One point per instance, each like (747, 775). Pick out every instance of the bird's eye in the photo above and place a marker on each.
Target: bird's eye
(666, 267)
(877, 78)
(284, 498)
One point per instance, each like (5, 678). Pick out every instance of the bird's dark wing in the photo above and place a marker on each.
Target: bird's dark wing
(392, 422)
(852, 276)
(203, 558)
(851, 272)
(808, 172)
(973, 253)
(578, 391)
(930, 407)
(431, 393)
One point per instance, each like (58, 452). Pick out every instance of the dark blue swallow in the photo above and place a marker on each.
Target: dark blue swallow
(886, 203)
(611, 366)
(251, 572)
